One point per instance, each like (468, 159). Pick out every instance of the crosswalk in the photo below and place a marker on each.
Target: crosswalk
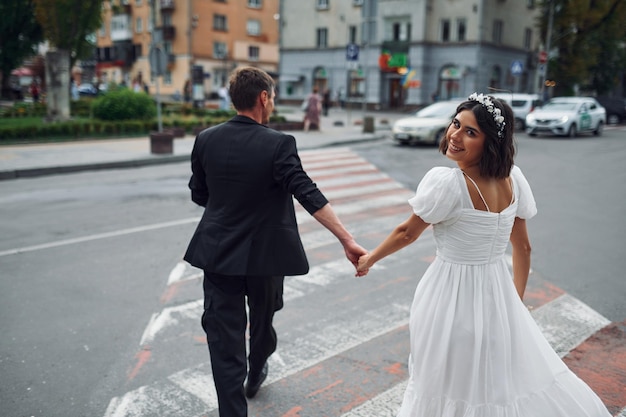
(343, 341)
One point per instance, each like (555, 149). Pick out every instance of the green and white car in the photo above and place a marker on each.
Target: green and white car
(567, 116)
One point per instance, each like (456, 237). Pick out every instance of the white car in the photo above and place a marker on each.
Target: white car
(521, 104)
(567, 116)
(428, 125)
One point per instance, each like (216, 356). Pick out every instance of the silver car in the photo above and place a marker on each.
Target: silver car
(428, 125)
(567, 116)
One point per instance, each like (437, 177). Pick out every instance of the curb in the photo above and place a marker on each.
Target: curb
(68, 169)
(148, 161)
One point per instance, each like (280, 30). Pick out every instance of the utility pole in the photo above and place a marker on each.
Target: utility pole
(157, 59)
(367, 17)
(368, 20)
(544, 69)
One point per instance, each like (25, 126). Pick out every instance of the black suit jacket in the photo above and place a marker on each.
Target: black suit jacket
(245, 175)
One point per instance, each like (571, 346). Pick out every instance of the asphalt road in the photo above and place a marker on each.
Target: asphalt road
(85, 260)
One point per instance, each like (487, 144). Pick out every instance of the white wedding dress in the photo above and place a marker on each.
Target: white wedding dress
(475, 349)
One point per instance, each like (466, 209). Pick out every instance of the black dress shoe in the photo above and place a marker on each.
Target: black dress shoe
(253, 384)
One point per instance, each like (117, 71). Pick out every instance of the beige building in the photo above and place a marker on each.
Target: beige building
(392, 53)
(214, 36)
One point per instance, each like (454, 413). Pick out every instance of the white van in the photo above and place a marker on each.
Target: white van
(522, 104)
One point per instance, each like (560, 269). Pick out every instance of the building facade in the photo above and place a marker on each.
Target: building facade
(398, 53)
(200, 41)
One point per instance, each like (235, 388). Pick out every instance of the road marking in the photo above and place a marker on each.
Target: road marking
(98, 236)
(566, 322)
(385, 404)
(298, 354)
(169, 317)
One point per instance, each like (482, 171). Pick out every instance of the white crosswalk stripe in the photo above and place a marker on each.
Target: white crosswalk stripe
(190, 392)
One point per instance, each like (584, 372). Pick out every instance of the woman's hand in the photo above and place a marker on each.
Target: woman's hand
(363, 266)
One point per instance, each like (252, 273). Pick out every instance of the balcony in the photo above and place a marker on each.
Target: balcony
(169, 33)
(167, 5)
(121, 28)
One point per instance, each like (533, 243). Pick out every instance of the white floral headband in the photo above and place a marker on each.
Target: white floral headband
(486, 102)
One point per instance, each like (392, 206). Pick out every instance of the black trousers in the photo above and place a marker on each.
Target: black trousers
(224, 321)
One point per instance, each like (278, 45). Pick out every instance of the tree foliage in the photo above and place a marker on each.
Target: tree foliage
(589, 37)
(67, 24)
(19, 35)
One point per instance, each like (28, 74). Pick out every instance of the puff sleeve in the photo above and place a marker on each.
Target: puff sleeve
(438, 196)
(526, 206)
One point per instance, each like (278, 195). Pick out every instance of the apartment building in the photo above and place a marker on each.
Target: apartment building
(203, 40)
(397, 53)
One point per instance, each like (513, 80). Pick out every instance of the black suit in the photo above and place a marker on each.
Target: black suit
(245, 174)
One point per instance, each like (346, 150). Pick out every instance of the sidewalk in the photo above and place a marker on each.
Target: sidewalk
(340, 127)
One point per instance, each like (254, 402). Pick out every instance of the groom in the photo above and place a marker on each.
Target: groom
(245, 176)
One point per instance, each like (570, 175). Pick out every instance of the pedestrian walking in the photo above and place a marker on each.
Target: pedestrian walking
(326, 101)
(246, 175)
(475, 348)
(313, 110)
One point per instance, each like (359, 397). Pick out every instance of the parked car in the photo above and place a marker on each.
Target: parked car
(615, 109)
(567, 116)
(87, 90)
(521, 104)
(428, 125)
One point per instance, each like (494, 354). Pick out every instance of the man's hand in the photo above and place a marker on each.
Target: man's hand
(353, 252)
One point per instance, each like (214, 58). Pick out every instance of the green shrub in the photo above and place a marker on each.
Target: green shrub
(124, 104)
(81, 107)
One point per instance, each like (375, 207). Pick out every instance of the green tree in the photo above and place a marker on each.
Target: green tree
(586, 35)
(67, 25)
(19, 35)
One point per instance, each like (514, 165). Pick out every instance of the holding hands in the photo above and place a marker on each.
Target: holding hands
(363, 265)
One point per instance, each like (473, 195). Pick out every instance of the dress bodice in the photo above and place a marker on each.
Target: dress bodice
(463, 234)
(475, 237)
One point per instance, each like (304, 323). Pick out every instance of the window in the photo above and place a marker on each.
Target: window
(103, 30)
(528, 38)
(461, 30)
(253, 27)
(219, 50)
(167, 78)
(400, 31)
(253, 53)
(530, 4)
(255, 3)
(497, 31)
(322, 4)
(445, 30)
(167, 19)
(138, 3)
(352, 34)
(138, 25)
(357, 2)
(322, 38)
(220, 22)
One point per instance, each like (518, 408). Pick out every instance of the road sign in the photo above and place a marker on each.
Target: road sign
(517, 68)
(158, 61)
(543, 57)
(352, 52)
